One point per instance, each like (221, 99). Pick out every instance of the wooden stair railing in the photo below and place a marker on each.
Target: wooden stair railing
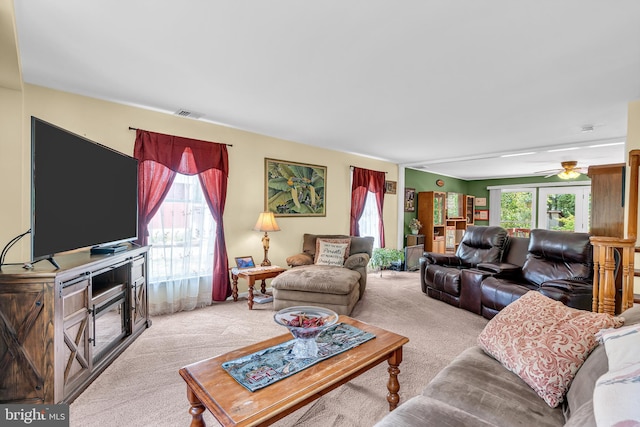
(604, 267)
(604, 288)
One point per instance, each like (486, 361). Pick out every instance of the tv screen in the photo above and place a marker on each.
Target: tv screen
(83, 194)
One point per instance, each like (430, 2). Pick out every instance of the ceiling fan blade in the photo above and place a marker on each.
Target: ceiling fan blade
(552, 174)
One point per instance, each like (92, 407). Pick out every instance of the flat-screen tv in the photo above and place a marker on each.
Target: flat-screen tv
(83, 194)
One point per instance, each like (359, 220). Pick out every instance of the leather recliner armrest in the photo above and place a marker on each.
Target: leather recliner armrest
(442, 259)
(471, 289)
(569, 285)
(502, 269)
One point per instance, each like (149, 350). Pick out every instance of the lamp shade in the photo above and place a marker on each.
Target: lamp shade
(266, 222)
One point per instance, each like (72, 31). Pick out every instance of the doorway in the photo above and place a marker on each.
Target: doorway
(564, 208)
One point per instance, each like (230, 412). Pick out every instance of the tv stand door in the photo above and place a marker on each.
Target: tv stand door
(139, 303)
(25, 311)
(76, 329)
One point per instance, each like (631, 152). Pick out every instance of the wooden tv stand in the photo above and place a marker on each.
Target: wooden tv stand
(62, 327)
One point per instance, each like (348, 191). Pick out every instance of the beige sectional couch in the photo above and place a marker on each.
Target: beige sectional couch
(476, 390)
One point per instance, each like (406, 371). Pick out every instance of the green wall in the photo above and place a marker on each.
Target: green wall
(426, 181)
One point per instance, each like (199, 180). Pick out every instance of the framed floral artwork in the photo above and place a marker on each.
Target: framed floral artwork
(294, 189)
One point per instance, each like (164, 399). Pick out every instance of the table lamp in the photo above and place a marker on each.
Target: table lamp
(266, 222)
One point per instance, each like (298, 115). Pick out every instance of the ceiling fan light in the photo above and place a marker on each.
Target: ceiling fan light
(568, 174)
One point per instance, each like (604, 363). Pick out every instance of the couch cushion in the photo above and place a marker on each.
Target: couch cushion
(581, 391)
(422, 411)
(299, 259)
(557, 255)
(318, 278)
(477, 384)
(516, 250)
(363, 244)
(332, 251)
(482, 244)
(544, 342)
(631, 316)
(496, 293)
(583, 416)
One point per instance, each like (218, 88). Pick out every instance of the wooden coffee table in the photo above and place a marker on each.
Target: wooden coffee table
(211, 387)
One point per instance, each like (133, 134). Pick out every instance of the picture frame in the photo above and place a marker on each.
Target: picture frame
(390, 187)
(481, 201)
(409, 199)
(481, 215)
(294, 189)
(244, 262)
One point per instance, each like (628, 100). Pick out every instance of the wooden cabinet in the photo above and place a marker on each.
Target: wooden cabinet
(61, 328)
(443, 232)
(431, 213)
(469, 208)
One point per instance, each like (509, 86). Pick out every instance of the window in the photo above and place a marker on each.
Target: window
(548, 206)
(517, 209)
(182, 237)
(370, 219)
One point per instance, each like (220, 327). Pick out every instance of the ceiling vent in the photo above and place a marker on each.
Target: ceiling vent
(186, 113)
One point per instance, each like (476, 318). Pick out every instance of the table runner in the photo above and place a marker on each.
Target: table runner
(264, 367)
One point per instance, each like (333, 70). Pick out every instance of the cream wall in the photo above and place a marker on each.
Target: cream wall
(11, 115)
(108, 123)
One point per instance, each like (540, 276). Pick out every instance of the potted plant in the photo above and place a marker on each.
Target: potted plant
(415, 225)
(385, 258)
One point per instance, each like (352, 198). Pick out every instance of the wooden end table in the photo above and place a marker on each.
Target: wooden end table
(210, 387)
(251, 275)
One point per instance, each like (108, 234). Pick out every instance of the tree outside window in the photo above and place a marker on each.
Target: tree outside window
(516, 209)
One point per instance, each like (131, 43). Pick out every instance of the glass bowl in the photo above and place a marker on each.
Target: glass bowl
(305, 323)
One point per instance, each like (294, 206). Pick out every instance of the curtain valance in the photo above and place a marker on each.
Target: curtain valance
(186, 156)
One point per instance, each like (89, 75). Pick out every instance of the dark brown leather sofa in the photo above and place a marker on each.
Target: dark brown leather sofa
(558, 264)
(440, 274)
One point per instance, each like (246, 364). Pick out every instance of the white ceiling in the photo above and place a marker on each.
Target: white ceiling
(443, 85)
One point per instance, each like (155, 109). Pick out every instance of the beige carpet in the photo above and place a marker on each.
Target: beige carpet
(143, 388)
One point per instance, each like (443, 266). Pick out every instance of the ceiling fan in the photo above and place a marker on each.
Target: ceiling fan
(569, 170)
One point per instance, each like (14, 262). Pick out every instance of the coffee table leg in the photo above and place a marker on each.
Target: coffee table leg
(196, 410)
(263, 286)
(393, 385)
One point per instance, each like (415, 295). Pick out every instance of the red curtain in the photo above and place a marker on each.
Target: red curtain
(160, 157)
(363, 181)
